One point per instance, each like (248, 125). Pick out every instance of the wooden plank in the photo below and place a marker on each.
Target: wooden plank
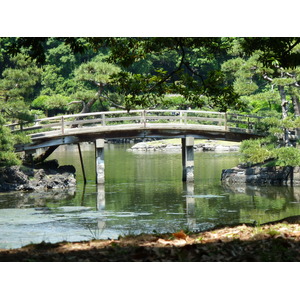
(245, 116)
(163, 118)
(46, 154)
(205, 119)
(48, 143)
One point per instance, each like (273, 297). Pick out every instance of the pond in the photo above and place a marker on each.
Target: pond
(143, 193)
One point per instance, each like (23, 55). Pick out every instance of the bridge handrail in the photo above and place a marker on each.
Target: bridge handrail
(143, 116)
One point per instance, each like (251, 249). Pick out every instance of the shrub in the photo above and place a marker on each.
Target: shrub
(7, 155)
(287, 156)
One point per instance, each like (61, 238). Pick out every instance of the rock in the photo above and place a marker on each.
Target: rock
(176, 147)
(221, 148)
(172, 148)
(18, 178)
(140, 146)
(13, 175)
(261, 176)
(234, 148)
(209, 147)
(39, 174)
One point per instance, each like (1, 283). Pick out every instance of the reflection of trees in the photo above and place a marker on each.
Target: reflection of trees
(268, 203)
(292, 194)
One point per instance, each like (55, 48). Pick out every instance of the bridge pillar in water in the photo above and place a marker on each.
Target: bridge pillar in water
(187, 159)
(99, 152)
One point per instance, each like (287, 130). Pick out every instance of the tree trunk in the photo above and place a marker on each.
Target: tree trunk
(284, 107)
(87, 107)
(296, 105)
(284, 102)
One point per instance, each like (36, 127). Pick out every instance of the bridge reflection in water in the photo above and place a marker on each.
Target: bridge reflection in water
(190, 205)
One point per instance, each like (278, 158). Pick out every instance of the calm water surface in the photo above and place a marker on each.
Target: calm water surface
(143, 193)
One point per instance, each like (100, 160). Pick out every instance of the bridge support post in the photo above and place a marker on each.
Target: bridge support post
(187, 159)
(99, 151)
(82, 164)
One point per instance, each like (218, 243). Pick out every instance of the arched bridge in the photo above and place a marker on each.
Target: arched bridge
(51, 132)
(86, 127)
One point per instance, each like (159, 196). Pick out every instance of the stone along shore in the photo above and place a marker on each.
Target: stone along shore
(174, 145)
(46, 177)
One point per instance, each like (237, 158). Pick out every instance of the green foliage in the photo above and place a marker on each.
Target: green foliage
(275, 51)
(244, 86)
(175, 102)
(7, 155)
(255, 151)
(52, 81)
(17, 87)
(287, 156)
(96, 72)
(261, 150)
(93, 77)
(45, 102)
(263, 102)
(18, 81)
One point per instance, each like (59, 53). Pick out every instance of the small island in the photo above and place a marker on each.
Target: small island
(174, 145)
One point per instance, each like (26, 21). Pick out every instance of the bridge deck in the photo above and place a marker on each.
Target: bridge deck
(152, 123)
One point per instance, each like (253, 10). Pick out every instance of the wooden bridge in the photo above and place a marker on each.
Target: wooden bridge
(49, 133)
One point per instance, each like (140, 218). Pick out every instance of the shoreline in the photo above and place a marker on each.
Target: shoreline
(274, 241)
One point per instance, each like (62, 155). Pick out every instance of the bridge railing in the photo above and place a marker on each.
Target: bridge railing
(249, 123)
(225, 121)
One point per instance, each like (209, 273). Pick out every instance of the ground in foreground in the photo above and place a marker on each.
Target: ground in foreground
(276, 242)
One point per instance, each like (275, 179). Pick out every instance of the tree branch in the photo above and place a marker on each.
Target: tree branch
(79, 101)
(174, 71)
(195, 73)
(265, 76)
(292, 46)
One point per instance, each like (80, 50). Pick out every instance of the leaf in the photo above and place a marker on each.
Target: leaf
(180, 235)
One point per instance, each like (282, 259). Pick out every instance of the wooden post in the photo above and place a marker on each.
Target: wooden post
(187, 159)
(143, 118)
(82, 165)
(99, 152)
(103, 120)
(62, 125)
